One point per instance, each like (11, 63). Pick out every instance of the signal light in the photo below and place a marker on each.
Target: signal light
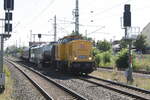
(8, 4)
(127, 8)
(8, 27)
(127, 16)
(39, 35)
(8, 16)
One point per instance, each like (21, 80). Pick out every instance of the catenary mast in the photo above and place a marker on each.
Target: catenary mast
(77, 18)
(55, 29)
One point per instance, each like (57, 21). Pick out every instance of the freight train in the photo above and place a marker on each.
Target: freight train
(71, 53)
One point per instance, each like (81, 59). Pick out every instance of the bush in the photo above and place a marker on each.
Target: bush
(106, 57)
(95, 51)
(98, 59)
(122, 59)
(103, 59)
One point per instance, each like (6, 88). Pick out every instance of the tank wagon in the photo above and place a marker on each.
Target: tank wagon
(25, 54)
(42, 54)
(71, 53)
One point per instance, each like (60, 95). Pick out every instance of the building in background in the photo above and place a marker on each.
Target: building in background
(146, 32)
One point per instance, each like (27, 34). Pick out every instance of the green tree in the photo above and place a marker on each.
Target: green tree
(140, 43)
(103, 45)
(11, 49)
(123, 43)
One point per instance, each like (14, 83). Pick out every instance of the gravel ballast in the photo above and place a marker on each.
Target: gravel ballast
(22, 87)
(90, 91)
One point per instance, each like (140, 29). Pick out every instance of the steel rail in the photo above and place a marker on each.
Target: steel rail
(87, 79)
(71, 92)
(121, 84)
(41, 90)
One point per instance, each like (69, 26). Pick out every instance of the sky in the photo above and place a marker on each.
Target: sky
(99, 19)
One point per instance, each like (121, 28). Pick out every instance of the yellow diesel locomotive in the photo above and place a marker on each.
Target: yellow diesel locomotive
(73, 53)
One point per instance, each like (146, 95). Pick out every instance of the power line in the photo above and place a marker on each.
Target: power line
(96, 30)
(41, 12)
(38, 15)
(111, 8)
(62, 28)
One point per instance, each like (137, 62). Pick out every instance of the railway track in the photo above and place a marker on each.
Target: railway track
(130, 91)
(49, 88)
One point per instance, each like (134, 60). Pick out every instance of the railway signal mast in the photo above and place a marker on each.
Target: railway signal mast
(127, 25)
(8, 7)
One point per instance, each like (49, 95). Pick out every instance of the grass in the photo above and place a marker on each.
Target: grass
(119, 77)
(143, 62)
(6, 95)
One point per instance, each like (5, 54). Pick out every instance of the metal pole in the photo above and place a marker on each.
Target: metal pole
(1, 55)
(2, 74)
(8, 22)
(129, 70)
(125, 32)
(30, 35)
(33, 37)
(77, 18)
(86, 33)
(130, 77)
(55, 28)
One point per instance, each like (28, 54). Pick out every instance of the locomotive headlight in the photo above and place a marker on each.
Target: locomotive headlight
(90, 58)
(75, 58)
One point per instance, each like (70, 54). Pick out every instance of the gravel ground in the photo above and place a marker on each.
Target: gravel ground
(90, 91)
(22, 88)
